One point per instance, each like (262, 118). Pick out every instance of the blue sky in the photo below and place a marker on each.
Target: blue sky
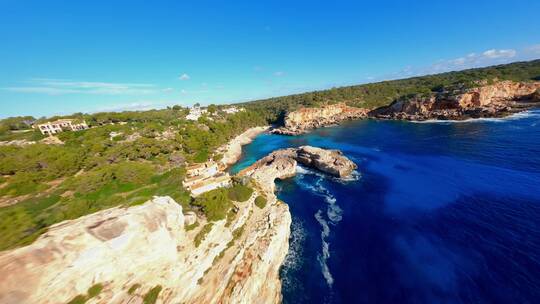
(60, 57)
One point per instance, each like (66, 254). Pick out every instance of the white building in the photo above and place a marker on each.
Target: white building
(203, 170)
(60, 125)
(223, 180)
(195, 113)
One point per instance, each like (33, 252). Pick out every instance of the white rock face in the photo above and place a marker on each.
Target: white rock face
(148, 245)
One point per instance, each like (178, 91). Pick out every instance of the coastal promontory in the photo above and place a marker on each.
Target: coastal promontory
(159, 249)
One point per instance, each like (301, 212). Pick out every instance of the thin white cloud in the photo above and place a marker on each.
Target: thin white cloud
(184, 77)
(168, 90)
(493, 53)
(472, 60)
(533, 49)
(141, 105)
(62, 86)
(279, 73)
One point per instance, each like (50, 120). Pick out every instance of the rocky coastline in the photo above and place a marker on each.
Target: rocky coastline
(499, 99)
(495, 100)
(152, 246)
(306, 119)
(282, 164)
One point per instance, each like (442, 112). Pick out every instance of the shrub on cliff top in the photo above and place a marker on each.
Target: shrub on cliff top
(240, 193)
(202, 234)
(215, 204)
(260, 201)
(95, 290)
(151, 296)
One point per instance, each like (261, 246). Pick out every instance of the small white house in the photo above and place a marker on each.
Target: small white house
(203, 170)
(210, 184)
(195, 113)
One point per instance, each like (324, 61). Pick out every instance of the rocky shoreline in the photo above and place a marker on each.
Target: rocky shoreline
(499, 99)
(152, 245)
(306, 119)
(282, 164)
(496, 100)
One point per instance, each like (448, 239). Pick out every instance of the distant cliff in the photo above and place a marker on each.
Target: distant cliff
(488, 100)
(305, 119)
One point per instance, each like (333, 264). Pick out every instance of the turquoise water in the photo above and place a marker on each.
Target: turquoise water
(437, 213)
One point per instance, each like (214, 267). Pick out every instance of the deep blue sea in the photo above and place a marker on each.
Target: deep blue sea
(437, 213)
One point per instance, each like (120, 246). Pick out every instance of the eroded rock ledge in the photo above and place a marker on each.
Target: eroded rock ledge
(496, 100)
(499, 99)
(282, 164)
(305, 119)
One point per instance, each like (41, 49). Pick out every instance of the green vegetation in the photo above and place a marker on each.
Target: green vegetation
(379, 94)
(90, 172)
(192, 226)
(260, 201)
(18, 128)
(240, 193)
(215, 204)
(80, 299)
(151, 296)
(133, 288)
(93, 291)
(202, 234)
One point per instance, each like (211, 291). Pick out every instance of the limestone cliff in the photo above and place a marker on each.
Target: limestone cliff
(130, 251)
(305, 119)
(498, 99)
(149, 245)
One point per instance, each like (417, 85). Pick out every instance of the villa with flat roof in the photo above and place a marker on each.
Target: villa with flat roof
(204, 177)
(61, 125)
(208, 184)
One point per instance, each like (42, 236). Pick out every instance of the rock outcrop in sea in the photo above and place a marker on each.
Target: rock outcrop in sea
(305, 119)
(494, 100)
(130, 251)
(282, 164)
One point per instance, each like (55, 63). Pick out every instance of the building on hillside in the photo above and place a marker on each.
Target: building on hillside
(204, 170)
(60, 125)
(208, 184)
(195, 113)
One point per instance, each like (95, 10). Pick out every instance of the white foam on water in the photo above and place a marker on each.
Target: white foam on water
(325, 254)
(334, 214)
(515, 116)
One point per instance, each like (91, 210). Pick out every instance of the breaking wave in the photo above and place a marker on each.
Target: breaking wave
(334, 215)
(325, 254)
(515, 116)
